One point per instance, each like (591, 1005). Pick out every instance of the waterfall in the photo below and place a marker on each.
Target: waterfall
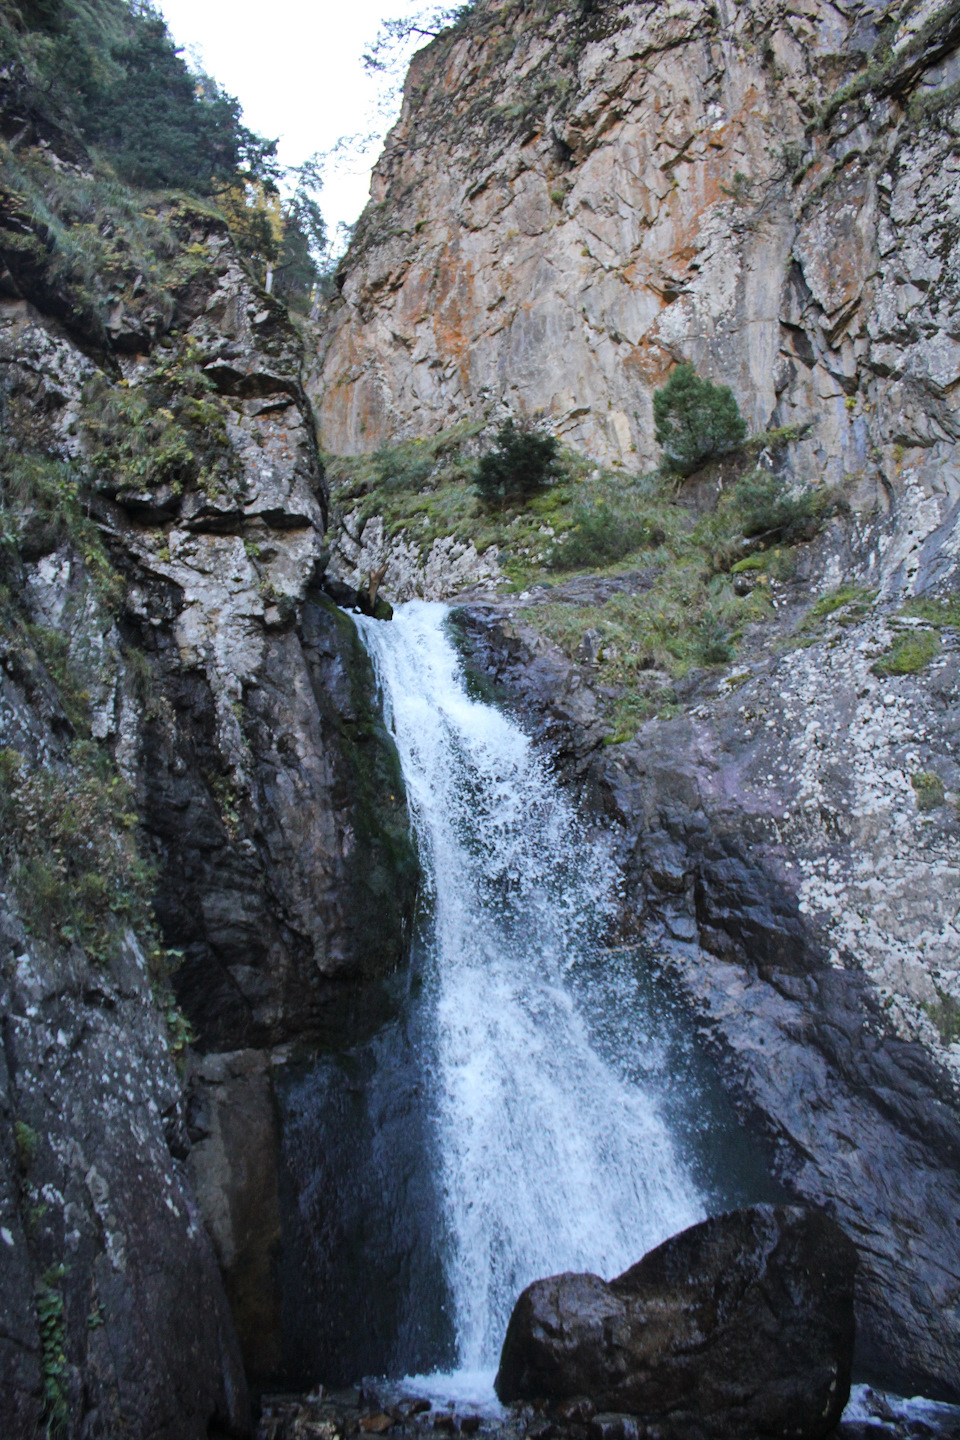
(551, 1157)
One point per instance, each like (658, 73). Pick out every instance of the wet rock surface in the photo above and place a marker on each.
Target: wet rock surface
(739, 1326)
(375, 1409)
(752, 829)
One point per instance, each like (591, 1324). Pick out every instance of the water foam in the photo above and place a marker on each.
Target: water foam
(551, 1159)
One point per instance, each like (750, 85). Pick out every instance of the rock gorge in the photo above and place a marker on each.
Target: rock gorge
(575, 198)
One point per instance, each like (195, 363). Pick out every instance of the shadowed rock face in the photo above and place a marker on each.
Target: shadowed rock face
(751, 830)
(740, 1326)
(236, 701)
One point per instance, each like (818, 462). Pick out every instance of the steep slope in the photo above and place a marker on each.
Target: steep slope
(577, 197)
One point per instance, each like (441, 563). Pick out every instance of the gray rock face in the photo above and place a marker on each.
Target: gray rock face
(571, 204)
(800, 966)
(740, 1326)
(236, 701)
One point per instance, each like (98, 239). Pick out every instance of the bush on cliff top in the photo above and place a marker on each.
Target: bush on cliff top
(695, 420)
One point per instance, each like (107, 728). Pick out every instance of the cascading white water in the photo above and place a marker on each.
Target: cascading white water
(551, 1160)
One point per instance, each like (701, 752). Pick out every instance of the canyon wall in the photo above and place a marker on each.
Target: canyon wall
(573, 201)
(575, 198)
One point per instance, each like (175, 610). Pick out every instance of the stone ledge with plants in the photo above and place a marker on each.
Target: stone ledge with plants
(699, 553)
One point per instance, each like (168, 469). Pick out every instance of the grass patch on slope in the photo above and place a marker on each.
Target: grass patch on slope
(706, 578)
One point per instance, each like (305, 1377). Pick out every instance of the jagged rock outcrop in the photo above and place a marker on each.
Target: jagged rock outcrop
(171, 665)
(577, 197)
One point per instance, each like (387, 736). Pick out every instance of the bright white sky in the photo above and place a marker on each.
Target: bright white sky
(295, 67)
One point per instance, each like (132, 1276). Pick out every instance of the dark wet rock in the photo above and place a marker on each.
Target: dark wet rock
(740, 1326)
(750, 899)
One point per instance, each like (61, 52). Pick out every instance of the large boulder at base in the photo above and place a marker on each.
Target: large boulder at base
(738, 1328)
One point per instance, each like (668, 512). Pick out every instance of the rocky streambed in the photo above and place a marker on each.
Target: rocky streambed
(375, 1409)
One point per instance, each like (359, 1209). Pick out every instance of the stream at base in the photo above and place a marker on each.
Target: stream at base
(547, 1089)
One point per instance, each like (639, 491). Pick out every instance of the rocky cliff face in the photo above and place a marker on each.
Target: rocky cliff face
(185, 719)
(573, 201)
(776, 866)
(577, 197)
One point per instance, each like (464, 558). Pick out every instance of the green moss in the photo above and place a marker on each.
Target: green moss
(929, 790)
(68, 846)
(909, 653)
(945, 1014)
(853, 600)
(778, 563)
(25, 1140)
(379, 902)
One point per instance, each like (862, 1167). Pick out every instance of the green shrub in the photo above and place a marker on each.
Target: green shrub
(523, 462)
(407, 466)
(768, 508)
(929, 790)
(713, 643)
(909, 653)
(601, 534)
(695, 420)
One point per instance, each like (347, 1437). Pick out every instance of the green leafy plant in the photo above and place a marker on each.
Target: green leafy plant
(53, 1361)
(524, 460)
(695, 421)
(25, 1140)
(602, 533)
(768, 508)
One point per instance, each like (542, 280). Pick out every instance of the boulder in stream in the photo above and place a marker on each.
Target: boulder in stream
(741, 1326)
